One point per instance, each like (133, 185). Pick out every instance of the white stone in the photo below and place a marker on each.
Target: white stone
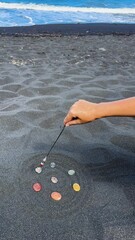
(54, 179)
(38, 169)
(52, 165)
(71, 172)
(102, 49)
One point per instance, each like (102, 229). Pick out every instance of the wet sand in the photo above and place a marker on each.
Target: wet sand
(40, 78)
(80, 29)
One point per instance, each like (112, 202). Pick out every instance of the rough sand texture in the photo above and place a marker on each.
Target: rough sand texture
(39, 80)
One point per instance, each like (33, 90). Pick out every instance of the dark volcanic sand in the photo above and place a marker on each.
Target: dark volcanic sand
(39, 80)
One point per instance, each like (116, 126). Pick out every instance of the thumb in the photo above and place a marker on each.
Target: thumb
(73, 122)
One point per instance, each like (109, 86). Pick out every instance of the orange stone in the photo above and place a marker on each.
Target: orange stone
(56, 196)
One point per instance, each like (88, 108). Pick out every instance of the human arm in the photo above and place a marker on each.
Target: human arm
(84, 111)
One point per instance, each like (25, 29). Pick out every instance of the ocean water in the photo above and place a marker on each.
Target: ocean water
(33, 12)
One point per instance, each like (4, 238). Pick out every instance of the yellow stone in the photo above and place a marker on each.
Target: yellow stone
(76, 187)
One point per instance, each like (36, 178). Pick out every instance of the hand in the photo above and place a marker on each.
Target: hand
(81, 112)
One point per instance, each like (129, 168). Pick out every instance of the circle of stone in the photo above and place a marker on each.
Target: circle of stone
(54, 179)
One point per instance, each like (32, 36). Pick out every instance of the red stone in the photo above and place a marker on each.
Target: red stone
(37, 187)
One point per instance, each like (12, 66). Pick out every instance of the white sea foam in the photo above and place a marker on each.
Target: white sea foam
(30, 19)
(44, 7)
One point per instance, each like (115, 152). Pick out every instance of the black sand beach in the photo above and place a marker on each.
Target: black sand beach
(40, 77)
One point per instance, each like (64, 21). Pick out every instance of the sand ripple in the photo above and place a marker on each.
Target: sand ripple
(40, 79)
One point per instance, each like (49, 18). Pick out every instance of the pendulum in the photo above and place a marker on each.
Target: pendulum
(39, 168)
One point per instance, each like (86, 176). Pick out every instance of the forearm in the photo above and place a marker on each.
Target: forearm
(125, 107)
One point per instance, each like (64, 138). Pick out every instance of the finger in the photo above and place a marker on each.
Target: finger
(73, 122)
(68, 118)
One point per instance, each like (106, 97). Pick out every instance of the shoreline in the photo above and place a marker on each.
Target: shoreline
(69, 29)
